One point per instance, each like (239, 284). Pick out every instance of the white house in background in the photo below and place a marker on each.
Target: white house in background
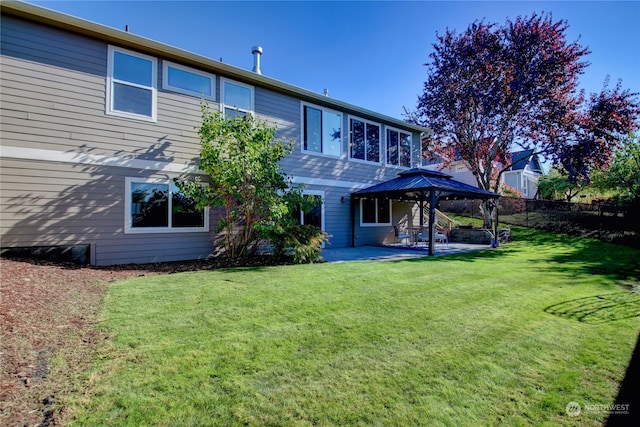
(523, 175)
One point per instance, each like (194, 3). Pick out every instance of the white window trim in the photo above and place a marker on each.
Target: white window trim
(376, 224)
(302, 129)
(381, 152)
(251, 88)
(128, 229)
(386, 147)
(167, 86)
(110, 81)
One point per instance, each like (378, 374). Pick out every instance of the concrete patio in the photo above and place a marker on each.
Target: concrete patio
(396, 252)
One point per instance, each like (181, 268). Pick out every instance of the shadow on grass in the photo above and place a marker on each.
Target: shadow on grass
(599, 309)
(626, 411)
(464, 256)
(614, 261)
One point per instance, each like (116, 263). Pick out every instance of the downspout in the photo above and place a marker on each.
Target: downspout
(352, 208)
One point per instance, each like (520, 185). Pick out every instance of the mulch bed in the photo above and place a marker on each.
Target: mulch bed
(48, 312)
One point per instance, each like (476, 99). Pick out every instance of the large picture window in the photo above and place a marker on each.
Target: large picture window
(321, 131)
(364, 140)
(237, 98)
(188, 81)
(131, 84)
(158, 205)
(375, 212)
(398, 148)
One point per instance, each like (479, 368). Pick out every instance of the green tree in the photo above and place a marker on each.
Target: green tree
(623, 175)
(556, 185)
(241, 157)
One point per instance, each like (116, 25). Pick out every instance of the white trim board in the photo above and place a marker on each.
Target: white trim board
(38, 154)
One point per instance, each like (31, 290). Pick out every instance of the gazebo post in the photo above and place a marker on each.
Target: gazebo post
(497, 225)
(432, 218)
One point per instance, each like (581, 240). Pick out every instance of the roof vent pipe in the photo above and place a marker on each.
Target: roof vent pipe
(256, 51)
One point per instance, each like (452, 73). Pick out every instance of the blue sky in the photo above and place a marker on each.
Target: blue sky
(367, 53)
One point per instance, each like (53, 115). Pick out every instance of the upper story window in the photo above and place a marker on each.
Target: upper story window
(188, 81)
(398, 148)
(158, 206)
(236, 99)
(364, 138)
(131, 84)
(322, 130)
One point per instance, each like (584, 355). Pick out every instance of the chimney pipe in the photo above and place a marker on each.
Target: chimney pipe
(256, 51)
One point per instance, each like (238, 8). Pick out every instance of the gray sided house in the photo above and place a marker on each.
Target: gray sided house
(96, 122)
(524, 173)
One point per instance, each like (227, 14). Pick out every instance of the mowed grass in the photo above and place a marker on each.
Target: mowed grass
(501, 337)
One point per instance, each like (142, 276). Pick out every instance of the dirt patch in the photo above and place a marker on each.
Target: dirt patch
(47, 335)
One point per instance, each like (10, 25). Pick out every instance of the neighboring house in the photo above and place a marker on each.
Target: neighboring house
(457, 168)
(523, 175)
(96, 122)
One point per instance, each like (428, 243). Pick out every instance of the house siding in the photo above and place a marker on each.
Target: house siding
(48, 204)
(65, 161)
(53, 99)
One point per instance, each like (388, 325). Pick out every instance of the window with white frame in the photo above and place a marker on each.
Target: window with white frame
(364, 140)
(131, 84)
(159, 206)
(188, 81)
(321, 130)
(236, 99)
(375, 211)
(398, 148)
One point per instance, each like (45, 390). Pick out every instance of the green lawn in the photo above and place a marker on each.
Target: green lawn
(500, 337)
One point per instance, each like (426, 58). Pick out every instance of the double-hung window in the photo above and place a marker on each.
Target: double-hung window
(375, 212)
(322, 130)
(188, 81)
(398, 148)
(158, 206)
(236, 98)
(131, 84)
(364, 140)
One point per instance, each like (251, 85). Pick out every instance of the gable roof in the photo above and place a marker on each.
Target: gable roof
(521, 159)
(415, 183)
(151, 47)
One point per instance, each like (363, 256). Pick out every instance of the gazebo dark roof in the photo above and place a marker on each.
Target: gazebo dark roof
(417, 183)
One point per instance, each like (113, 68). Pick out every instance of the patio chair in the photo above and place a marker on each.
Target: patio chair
(437, 237)
(400, 236)
(504, 234)
(441, 237)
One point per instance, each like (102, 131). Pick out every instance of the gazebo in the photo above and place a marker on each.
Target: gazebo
(420, 185)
